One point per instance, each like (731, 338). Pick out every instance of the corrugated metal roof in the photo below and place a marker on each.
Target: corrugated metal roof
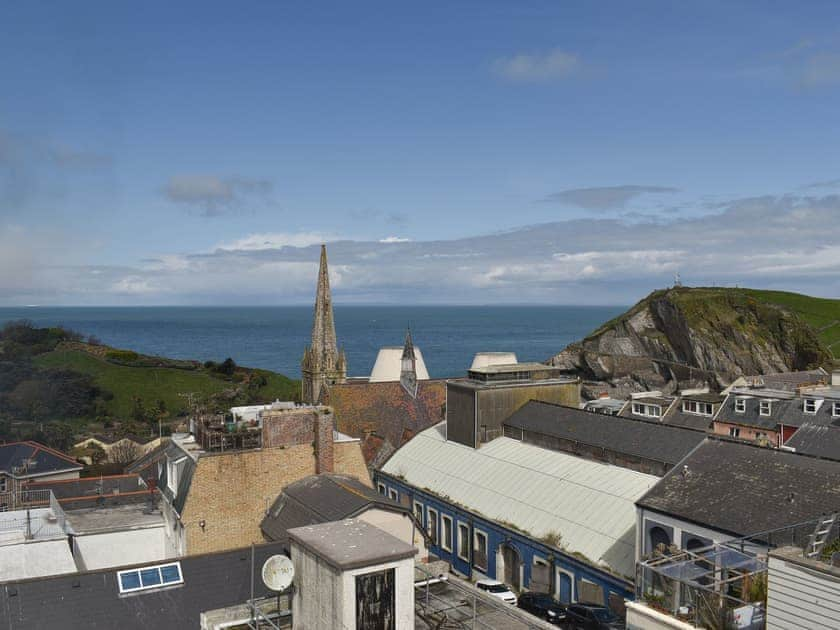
(538, 491)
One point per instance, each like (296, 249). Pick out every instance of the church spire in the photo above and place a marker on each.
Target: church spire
(323, 326)
(322, 363)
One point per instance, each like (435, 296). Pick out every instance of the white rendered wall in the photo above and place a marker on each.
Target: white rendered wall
(317, 600)
(398, 525)
(114, 549)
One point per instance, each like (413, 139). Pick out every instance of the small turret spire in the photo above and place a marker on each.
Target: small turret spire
(408, 367)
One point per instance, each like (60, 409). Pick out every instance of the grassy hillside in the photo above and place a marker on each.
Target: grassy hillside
(152, 384)
(822, 314)
(719, 305)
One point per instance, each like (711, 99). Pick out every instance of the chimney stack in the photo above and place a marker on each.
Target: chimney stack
(324, 456)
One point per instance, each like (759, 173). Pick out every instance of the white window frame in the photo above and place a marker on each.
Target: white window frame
(150, 586)
(2, 483)
(810, 402)
(382, 488)
(765, 408)
(394, 494)
(734, 432)
(443, 545)
(835, 409)
(429, 521)
(483, 534)
(464, 538)
(173, 473)
(740, 405)
(419, 516)
(643, 409)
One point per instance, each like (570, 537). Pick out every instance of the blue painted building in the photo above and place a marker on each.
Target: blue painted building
(478, 547)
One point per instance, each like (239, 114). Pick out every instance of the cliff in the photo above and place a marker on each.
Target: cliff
(685, 336)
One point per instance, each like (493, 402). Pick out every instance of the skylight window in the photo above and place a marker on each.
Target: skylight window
(145, 578)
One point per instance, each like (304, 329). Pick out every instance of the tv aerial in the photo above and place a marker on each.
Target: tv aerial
(278, 573)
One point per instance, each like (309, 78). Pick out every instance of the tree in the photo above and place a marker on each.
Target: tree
(124, 452)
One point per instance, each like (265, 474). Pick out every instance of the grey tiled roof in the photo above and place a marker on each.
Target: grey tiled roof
(649, 439)
(92, 601)
(320, 499)
(36, 458)
(818, 440)
(781, 412)
(742, 489)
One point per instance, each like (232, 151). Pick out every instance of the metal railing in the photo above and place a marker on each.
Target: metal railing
(445, 601)
(18, 499)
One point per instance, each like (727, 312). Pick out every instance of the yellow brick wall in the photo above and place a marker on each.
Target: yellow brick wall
(230, 492)
(350, 461)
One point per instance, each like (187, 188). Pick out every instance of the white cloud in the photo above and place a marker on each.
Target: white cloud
(538, 67)
(786, 242)
(276, 240)
(394, 239)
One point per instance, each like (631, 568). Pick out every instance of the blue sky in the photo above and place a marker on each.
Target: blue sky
(196, 153)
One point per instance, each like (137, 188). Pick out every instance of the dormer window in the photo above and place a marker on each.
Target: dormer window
(810, 405)
(740, 405)
(835, 409)
(652, 411)
(764, 408)
(697, 407)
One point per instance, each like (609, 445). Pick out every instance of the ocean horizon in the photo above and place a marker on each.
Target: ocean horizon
(274, 337)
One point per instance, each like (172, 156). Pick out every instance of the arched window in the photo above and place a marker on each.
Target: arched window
(658, 536)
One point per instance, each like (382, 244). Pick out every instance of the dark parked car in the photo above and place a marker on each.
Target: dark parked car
(543, 606)
(584, 617)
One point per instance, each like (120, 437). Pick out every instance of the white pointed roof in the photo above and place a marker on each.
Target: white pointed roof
(389, 365)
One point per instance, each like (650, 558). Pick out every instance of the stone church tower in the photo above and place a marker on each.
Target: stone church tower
(322, 364)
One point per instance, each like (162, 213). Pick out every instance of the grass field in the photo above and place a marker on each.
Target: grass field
(821, 313)
(153, 384)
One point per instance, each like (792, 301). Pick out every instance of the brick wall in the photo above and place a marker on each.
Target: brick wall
(291, 427)
(350, 460)
(231, 491)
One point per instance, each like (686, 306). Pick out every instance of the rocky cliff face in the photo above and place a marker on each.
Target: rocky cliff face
(686, 337)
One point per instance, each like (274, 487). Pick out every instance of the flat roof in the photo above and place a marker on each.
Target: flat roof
(350, 544)
(513, 367)
(116, 518)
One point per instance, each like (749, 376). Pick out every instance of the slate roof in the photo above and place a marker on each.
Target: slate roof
(818, 440)
(676, 417)
(38, 458)
(649, 440)
(320, 499)
(385, 415)
(782, 411)
(791, 380)
(92, 601)
(742, 489)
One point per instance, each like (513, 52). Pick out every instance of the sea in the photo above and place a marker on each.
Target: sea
(274, 337)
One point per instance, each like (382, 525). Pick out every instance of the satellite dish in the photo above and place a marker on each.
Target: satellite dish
(278, 573)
